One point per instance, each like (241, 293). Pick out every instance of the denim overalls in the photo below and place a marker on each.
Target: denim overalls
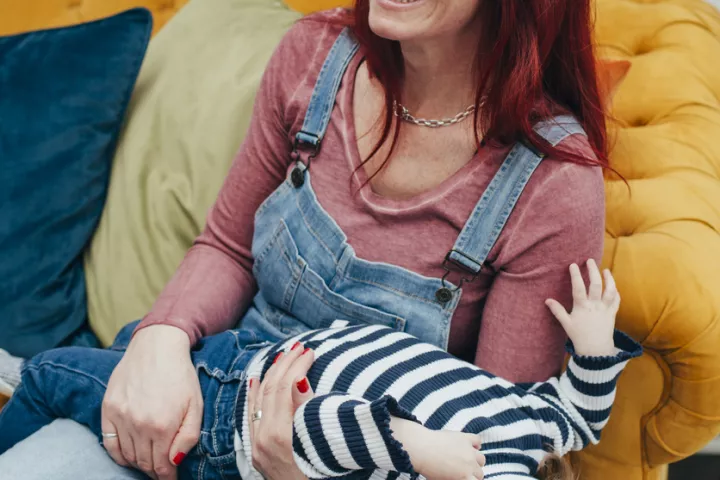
(309, 276)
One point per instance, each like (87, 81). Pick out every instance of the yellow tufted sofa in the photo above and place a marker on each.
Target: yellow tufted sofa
(25, 15)
(663, 236)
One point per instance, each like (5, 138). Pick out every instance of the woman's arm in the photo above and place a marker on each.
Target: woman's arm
(561, 222)
(153, 401)
(214, 285)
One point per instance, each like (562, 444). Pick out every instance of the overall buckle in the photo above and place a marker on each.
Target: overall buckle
(297, 176)
(314, 148)
(445, 294)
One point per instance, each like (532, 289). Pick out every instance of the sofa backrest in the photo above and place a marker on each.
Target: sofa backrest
(25, 15)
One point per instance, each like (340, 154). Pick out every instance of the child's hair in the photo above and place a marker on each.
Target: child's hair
(555, 467)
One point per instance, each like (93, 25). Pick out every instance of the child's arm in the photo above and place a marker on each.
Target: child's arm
(576, 407)
(338, 433)
(573, 410)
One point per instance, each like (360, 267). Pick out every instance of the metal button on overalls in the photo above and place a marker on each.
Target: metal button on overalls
(443, 295)
(297, 177)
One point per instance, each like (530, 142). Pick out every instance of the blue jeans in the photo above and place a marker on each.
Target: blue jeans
(70, 383)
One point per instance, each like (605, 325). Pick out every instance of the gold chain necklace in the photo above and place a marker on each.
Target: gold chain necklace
(404, 114)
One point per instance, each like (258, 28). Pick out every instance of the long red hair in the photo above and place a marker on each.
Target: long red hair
(536, 60)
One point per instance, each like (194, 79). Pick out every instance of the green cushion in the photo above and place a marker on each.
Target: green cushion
(187, 118)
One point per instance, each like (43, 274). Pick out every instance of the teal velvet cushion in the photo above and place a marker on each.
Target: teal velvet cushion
(63, 96)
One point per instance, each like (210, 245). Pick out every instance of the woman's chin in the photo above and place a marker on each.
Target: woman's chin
(398, 19)
(390, 30)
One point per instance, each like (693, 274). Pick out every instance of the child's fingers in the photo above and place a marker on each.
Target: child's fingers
(579, 291)
(558, 311)
(615, 305)
(611, 295)
(596, 287)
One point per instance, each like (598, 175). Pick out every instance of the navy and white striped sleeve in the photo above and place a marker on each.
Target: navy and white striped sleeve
(579, 402)
(336, 434)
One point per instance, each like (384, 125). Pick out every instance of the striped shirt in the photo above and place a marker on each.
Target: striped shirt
(363, 375)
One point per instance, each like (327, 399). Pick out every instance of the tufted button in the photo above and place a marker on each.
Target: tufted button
(638, 122)
(642, 48)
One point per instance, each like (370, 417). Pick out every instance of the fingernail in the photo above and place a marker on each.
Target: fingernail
(251, 382)
(180, 456)
(305, 351)
(277, 357)
(297, 344)
(303, 385)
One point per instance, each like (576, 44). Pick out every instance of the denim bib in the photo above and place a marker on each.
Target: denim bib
(309, 276)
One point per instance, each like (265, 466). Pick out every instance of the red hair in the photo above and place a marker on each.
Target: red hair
(536, 61)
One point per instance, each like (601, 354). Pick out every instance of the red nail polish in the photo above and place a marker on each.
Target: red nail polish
(303, 385)
(277, 357)
(305, 351)
(297, 344)
(251, 382)
(178, 458)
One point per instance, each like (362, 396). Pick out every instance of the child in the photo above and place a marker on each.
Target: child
(386, 404)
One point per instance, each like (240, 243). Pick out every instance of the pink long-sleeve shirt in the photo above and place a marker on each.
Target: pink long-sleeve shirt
(501, 324)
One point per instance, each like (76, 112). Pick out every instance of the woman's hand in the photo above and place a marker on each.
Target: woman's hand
(153, 403)
(284, 389)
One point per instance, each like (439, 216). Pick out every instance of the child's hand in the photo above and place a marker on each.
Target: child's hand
(591, 324)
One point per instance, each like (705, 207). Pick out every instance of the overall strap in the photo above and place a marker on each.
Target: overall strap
(322, 101)
(487, 220)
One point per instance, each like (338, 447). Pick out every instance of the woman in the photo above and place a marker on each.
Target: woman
(404, 195)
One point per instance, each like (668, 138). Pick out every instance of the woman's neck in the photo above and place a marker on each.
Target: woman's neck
(439, 80)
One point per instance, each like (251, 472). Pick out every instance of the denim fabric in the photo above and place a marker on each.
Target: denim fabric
(308, 274)
(69, 451)
(63, 95)
(322, 102)
(71, 382)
